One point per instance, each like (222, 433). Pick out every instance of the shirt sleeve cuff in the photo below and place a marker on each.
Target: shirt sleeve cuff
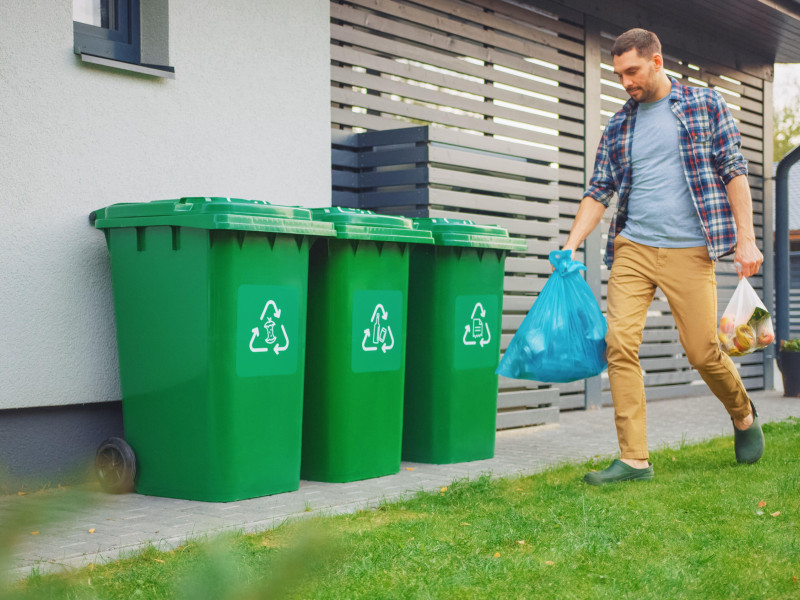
(599, 194)
(733, 170)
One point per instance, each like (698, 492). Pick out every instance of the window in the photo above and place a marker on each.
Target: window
(107, 28)
(115, 33)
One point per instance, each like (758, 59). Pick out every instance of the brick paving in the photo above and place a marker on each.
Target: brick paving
(87, 526)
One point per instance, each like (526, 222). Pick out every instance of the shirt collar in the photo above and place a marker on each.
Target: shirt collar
(674, 96)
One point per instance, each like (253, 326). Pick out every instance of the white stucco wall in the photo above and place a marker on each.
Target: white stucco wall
(248, 115)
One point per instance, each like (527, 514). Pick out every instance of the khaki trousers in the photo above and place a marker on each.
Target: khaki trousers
(686, 276)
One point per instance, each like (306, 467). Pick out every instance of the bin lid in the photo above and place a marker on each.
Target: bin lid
(212, 213)
(461, 232)
(358, 224)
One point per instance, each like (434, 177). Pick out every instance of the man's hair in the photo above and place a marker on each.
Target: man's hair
(645, 42)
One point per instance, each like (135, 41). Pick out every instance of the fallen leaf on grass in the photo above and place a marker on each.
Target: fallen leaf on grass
(549, 563)
(158, 560)
(775, 514)
(466, 524)
(762, 504)
(496, 555)
(673, 459)
(22, 493)
(521, 542)
(794, 579)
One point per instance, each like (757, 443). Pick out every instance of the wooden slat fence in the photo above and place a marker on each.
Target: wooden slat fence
(441, 173)
(499, 88)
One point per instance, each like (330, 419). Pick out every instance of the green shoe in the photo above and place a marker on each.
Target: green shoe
(618, 471)
(749, 443)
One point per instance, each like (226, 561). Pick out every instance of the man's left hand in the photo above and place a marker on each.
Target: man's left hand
(749, 256)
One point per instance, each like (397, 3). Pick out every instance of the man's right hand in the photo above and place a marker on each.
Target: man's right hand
(570, 248)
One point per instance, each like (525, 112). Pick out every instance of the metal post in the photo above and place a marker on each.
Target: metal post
(592, 250)
(782, 273)
(768, 237)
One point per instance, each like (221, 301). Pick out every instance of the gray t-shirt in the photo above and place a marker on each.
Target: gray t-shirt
(661, 211)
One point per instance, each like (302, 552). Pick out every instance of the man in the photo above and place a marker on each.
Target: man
(672, 156)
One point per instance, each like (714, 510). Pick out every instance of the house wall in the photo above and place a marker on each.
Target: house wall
(247, 115)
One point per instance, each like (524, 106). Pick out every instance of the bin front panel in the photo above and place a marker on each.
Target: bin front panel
(455, 295)
(353, 406)
(261, 413)
(202, 426)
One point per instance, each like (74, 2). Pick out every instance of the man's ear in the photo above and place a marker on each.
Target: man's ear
(658, 60)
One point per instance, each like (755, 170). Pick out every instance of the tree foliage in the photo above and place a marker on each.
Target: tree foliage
(786, 128)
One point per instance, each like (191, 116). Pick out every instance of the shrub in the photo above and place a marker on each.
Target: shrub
(791, 345)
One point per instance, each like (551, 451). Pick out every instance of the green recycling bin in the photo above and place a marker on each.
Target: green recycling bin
(356, 339)
(210, 299)
(456, 297)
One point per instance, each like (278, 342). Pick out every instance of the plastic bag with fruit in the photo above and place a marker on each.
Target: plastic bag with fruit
(745, 325)
(562, 338)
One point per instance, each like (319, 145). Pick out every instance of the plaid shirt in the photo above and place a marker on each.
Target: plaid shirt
(709, 142)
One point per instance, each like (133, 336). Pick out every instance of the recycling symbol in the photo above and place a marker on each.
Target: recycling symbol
(375, 338)
(274, 340)
(477, 331)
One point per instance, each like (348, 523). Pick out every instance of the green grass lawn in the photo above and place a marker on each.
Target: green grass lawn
(704, 528)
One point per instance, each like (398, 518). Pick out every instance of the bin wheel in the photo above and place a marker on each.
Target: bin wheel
(115, 465)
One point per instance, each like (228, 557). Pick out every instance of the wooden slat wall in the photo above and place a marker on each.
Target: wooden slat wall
(506, 76)
(345, 168)
(666, 371)
(433, 172)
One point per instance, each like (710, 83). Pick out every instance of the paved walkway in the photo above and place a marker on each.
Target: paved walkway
(90, 526)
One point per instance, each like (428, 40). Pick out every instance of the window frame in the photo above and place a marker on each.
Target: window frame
(122, 43)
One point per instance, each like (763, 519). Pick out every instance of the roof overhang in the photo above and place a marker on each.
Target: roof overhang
(750, 35)
(770, 28)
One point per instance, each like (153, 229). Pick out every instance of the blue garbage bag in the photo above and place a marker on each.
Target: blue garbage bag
(563, 335)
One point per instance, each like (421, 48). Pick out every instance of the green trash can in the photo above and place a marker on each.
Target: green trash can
(456, 297)
(210, 299)
(358, 286)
